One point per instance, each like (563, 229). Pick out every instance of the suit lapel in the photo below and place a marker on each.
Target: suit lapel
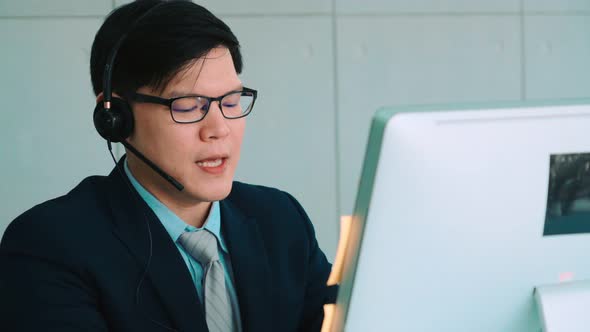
(250, 266)
(167, 271)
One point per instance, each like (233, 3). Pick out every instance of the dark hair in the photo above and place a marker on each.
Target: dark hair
(159, 45)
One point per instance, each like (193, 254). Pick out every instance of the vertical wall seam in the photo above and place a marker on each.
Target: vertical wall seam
(523, 72)
(337, 169)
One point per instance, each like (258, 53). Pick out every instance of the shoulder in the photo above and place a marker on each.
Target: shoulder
(256, 200)
(277, 213)
(56, 220)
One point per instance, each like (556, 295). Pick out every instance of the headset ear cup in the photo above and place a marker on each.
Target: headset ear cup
(102, 119)
(126, 122)
(116, 123)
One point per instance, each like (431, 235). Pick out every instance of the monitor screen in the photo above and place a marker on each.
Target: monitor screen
(461, 212)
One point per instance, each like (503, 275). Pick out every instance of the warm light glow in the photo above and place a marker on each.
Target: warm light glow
(328, 317)
(336, 273)
(566, 276)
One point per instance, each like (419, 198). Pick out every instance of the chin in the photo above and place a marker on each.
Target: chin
(212, 193)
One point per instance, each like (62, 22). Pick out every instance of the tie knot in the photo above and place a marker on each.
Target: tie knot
(202, 245)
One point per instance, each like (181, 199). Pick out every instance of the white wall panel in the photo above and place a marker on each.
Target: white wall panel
(54, 7)
(236, 7)
(417, 60)
(397, 56)
(290, 140)
(556, 5)
(558, 56)
(47, 139)
(267, 6)
(428, 6)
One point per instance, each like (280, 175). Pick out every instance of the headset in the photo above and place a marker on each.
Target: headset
(113, 120)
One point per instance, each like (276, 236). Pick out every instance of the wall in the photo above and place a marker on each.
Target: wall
(321, 67)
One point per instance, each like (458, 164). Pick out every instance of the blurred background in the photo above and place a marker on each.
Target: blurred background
(322, 68)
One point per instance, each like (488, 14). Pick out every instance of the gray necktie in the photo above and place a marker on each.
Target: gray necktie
(202, 245)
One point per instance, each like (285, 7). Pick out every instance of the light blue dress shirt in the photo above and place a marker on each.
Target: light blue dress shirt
(176, 226)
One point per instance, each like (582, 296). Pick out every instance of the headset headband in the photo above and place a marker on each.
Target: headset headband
(108, 68)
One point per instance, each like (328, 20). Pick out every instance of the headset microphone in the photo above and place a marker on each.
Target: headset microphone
(151, 164)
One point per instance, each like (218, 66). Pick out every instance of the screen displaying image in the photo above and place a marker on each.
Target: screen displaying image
(568, 199)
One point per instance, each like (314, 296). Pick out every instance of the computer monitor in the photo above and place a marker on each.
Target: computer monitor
(461, 212)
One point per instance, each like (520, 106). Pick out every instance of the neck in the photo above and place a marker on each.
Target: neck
(191, 211)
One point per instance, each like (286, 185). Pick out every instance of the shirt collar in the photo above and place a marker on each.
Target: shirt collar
(171, 222)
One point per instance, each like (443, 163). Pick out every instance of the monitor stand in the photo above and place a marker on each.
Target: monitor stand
(564, 307)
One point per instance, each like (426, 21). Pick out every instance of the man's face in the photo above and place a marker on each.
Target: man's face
(202, 156)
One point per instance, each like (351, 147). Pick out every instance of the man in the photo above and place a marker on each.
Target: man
(166, 242)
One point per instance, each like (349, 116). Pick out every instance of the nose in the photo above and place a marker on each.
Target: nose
(214, 125)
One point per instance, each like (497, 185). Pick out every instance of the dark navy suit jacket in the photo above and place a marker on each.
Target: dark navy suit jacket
(74, 264)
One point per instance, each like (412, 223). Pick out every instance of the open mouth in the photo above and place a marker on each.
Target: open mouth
(210, 163)
(213, 166)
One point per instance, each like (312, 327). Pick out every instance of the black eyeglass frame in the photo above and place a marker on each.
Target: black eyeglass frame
(143, 98)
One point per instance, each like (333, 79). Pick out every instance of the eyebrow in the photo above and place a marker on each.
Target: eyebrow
(177, 93)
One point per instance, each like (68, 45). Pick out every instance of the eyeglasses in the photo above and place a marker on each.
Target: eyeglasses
(194, 108)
